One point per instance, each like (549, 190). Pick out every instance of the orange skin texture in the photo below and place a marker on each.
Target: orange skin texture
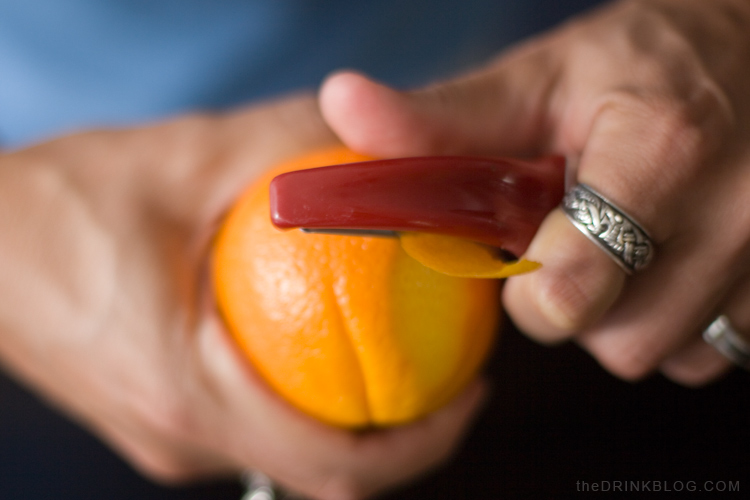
(349, 330)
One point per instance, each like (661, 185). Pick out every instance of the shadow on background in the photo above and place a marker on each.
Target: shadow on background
(554, 418)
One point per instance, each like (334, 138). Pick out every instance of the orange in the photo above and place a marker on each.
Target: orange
(350, 330)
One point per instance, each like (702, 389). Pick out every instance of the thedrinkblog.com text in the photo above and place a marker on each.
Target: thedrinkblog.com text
(658, 486)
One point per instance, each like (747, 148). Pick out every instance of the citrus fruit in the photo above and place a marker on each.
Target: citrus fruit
(350, 330)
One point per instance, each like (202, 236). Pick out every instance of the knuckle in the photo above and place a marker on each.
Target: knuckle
(686, 131)
(681, 126)
(666, 143)
(168, 422)
(164, 469)
(677, 130)
(630, 362)
(166, 428)
(695, 371)
(688, 378)
(340, 487)
(711, 112)
(167, 416)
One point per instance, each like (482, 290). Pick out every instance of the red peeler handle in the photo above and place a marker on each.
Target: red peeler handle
(497, 201)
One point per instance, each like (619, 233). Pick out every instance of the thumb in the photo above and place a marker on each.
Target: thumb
(501, 110)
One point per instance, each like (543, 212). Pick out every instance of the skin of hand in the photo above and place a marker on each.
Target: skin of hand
(651, 97)
(107, 312)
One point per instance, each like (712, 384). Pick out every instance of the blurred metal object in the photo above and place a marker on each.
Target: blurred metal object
(258, 486)
(724, 338)
(378, 233)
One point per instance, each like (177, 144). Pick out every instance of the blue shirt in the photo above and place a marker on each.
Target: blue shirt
(68, 64)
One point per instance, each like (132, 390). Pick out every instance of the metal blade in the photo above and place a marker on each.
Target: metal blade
(379, 233)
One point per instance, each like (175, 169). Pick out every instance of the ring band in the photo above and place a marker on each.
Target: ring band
(623, 239)
(724, 338)
(258, 486)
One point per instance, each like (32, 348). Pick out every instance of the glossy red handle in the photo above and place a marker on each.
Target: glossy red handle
(497, 201)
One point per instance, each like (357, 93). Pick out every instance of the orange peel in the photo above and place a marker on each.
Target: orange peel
(461, 257)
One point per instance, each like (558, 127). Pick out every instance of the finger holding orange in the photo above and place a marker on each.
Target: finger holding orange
(350, 330)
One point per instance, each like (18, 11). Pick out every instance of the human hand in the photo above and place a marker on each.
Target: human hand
(651, 97)
(106, 310)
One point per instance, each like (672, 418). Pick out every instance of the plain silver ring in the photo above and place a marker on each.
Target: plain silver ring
(722, 336)
(604, 223)
(258, 486)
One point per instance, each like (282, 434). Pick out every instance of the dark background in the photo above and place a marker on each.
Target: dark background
(554, 418)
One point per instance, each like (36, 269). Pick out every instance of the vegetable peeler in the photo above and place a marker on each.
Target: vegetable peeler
(496, 201)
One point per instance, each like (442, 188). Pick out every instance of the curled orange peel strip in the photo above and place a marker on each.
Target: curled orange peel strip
(461, 257)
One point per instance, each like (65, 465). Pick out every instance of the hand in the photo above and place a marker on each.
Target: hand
(106, 310)
(652, 97)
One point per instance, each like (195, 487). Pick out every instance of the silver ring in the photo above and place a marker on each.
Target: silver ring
(622, 238)
(258, 486)
(724, 338)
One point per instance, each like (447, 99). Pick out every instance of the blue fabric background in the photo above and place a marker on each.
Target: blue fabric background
(67, 64)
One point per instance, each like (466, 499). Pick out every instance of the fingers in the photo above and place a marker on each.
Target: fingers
(261, 431)
(647, 121)
(699, 363)
(575, 286)
(579, 281)
(378, 460)
(500, 110)
(657, 181)
(392, 456)
(226, 152)
(658, 312)
(696, 364)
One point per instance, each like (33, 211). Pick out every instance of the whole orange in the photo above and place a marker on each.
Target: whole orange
(350, 330)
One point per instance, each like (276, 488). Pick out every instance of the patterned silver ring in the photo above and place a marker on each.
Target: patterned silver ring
(724, 338)
(613, 230)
